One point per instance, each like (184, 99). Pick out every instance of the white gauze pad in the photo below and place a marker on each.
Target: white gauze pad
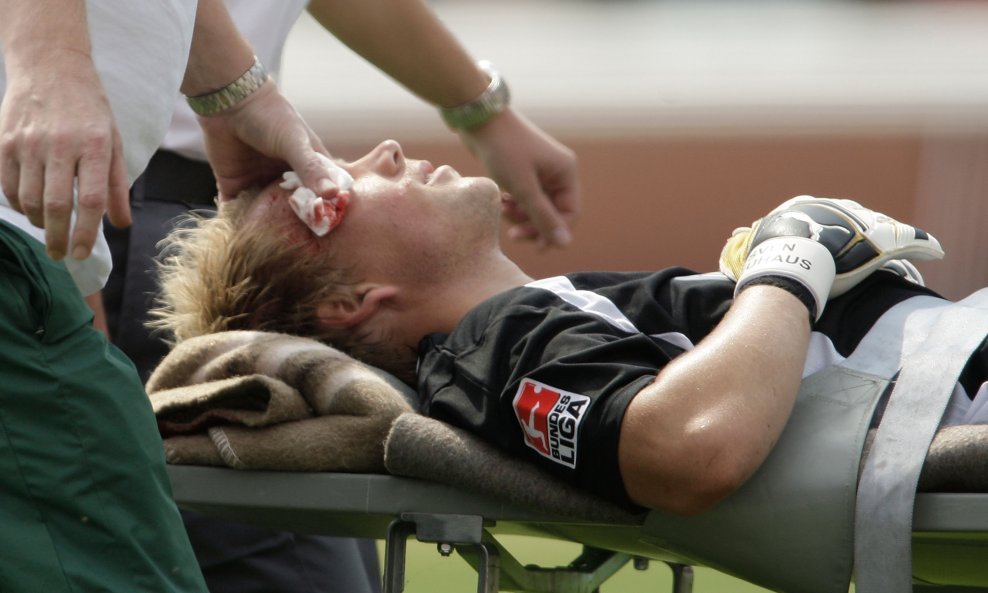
(321, 216)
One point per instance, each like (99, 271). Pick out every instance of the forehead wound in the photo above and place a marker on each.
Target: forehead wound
(319, 215)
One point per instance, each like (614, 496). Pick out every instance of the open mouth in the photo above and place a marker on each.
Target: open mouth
(427, 171)
(444, 173)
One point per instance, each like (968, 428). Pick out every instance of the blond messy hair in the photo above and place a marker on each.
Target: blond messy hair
(228, 272)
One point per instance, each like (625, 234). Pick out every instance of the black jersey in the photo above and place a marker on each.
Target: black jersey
(546, 371)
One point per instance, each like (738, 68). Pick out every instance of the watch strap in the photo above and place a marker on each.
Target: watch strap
(495, 99)
(232, 94)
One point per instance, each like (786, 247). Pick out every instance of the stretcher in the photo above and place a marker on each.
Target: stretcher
(819, 515)
(950, 530)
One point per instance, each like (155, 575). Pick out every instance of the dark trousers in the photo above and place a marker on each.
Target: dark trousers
(234, 557)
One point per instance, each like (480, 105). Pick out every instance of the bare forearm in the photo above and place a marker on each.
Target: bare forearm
(219, 53)
(252, 138)
(712, 416)
(32, 34)
(406, 40)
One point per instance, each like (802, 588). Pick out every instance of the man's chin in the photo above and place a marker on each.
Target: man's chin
(483, 186)
(477, 199)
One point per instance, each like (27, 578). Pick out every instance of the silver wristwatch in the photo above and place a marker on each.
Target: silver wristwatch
(231, 94)
(479, 111)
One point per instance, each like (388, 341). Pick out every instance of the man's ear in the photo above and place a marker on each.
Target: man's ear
(368, 300)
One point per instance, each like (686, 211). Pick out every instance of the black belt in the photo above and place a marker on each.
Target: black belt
(170, 177)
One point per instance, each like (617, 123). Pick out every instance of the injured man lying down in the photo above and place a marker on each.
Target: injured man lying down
(660, 389)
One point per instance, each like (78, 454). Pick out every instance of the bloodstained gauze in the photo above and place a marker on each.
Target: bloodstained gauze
(320, 215)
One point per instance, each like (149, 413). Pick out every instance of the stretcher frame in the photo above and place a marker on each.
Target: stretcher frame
(950, 530)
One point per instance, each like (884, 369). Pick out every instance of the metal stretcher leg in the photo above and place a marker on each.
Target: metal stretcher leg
(394, 556)
(445, 530)
(682, 577)
(497, 570)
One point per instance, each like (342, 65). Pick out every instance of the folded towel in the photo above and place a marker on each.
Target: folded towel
(256, 400)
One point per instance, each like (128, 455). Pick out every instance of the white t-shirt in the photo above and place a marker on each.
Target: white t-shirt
(266, 25)
(140, 50)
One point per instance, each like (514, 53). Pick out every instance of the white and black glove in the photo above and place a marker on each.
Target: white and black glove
(819, 248)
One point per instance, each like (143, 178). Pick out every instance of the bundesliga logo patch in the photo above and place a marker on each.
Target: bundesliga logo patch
(550, 419)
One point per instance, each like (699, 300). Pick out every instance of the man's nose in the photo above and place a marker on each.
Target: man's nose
(386, 159)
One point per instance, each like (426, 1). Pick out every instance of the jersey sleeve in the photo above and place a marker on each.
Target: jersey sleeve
(545, 382)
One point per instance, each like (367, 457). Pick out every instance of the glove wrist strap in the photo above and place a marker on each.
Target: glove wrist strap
(782, 261)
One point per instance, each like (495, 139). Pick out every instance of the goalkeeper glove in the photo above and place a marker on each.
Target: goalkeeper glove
(787, 244)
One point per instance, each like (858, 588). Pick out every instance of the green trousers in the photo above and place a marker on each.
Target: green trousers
(85, 504)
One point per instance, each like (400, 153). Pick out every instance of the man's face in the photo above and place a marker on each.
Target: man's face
(404, 217)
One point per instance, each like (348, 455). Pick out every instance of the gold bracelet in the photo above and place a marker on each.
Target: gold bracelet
(233, 93)
(478, 112)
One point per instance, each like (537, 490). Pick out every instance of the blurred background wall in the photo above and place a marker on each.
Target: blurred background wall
(692, 118)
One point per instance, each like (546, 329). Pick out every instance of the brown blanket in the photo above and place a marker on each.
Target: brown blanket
(254, 400)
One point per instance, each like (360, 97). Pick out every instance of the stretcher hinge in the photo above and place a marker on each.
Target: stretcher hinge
(497, 570)
(591, 569)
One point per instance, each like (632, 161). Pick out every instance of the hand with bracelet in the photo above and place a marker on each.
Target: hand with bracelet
(537, 172)
(251, 131)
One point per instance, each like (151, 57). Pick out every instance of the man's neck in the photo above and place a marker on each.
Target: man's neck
(445, 307)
